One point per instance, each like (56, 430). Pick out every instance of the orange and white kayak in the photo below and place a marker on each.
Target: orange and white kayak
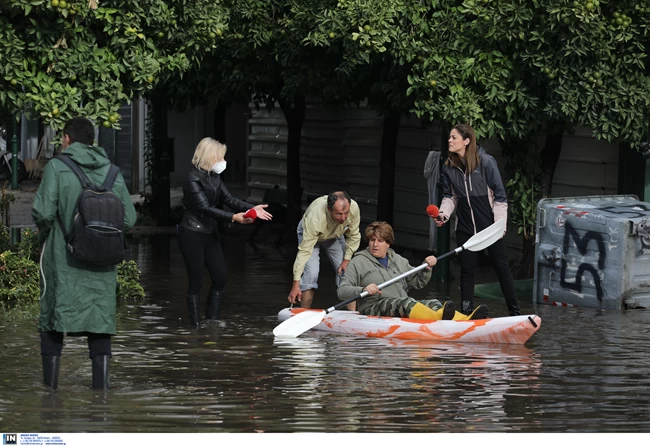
(501, 330)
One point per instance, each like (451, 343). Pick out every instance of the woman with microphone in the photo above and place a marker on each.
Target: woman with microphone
(472, 186)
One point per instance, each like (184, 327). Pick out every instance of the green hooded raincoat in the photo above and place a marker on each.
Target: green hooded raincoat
(75, 297)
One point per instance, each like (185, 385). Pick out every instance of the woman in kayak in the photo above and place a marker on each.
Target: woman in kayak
(378, 263)
(472, 186)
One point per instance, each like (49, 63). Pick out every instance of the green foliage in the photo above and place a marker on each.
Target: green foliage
(6, 198)
(509, 67)
(5, 239)
(20, 277)
(19, 281)
(505, 67)
(524, 193)
(523, 188)
(128, 281)
(28, 246)
(87, 57)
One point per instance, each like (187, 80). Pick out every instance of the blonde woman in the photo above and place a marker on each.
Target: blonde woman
(198, 235)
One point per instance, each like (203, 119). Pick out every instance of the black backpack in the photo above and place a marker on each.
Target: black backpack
(97, 235)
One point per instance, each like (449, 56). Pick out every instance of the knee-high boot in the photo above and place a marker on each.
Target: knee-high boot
(213, 304)
(100, 372)
(51, 370)
(513, 306)
(193, 308)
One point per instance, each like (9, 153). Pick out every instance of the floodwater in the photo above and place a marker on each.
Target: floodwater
(585, 370)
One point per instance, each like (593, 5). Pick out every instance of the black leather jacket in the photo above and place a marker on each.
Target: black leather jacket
(202, 193)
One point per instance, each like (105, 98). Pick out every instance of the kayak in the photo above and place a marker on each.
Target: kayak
(501, 330)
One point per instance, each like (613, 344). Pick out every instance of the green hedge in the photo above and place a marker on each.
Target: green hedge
(20, 279)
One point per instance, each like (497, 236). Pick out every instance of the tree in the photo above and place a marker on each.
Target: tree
(360, 34)
(264, 54)
(60, 59)
(515, 69)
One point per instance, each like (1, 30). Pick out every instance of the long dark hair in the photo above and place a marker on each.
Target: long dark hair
(471, 154)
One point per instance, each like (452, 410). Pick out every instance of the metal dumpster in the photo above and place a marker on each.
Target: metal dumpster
(593, 252)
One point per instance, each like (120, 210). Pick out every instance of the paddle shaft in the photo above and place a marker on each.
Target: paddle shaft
(391, 281)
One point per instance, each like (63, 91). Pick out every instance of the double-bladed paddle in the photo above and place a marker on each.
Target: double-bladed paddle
(301, 322)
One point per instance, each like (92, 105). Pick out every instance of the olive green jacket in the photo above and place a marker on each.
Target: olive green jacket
(365, 269)
(75, 297)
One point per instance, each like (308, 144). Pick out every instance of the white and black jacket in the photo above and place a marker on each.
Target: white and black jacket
(479, 198)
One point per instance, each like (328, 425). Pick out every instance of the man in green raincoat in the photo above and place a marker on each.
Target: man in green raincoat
(76, 298)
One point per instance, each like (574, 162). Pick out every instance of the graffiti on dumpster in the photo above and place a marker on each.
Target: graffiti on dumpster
(638, 210)
(582, 243)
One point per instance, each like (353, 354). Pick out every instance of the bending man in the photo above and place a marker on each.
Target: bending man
(330, 223)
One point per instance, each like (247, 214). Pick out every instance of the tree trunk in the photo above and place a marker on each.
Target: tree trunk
(160, 193)
(220, 122)
(527, 268)
(551, 155)
(386, 190)
(294, 113)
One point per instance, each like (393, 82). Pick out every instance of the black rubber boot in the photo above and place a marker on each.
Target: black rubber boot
(100, 372)
(466, 307)
(449, 310)
(51, 370)
(480, 312)
(213, 304)
(515, 311)
(193, 308)
(513, 307)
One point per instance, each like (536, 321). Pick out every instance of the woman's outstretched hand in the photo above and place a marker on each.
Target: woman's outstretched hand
(261, 212)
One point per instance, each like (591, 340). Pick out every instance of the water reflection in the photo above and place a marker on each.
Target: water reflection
(585, 370)
(427, 385)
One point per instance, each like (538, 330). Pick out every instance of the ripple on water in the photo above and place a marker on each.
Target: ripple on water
(584, 371)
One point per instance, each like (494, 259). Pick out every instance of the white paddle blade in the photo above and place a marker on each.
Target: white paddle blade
(298, 324)
(486, 237)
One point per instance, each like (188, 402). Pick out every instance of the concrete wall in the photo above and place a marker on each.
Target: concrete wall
(341, 150)
(587, 166)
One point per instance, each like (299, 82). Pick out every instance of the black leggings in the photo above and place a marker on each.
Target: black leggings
(468, 260)
(199, 251)
(52, 344)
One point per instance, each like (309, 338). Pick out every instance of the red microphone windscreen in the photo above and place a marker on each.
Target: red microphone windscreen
(251, 213)
(432, 210)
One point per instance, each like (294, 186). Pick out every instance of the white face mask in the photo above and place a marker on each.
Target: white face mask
(219, 166)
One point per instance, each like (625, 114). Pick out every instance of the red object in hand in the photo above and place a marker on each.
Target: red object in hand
(251, 213)
(432, 211)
